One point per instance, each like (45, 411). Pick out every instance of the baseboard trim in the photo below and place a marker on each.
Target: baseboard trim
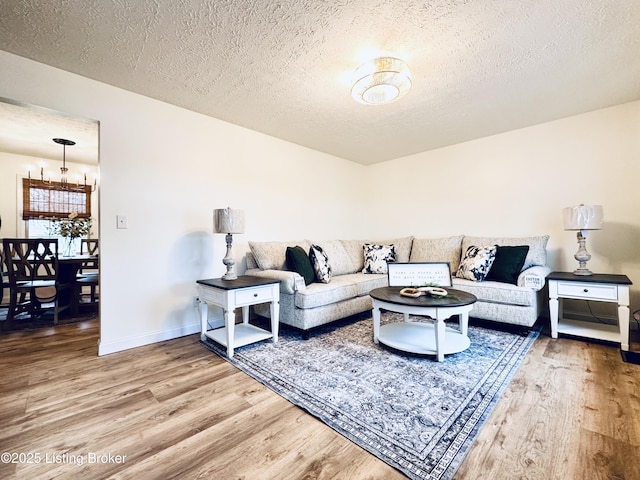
(105, 348)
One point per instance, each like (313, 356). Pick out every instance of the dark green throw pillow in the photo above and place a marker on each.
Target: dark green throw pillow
(508, 264)
(298, 261)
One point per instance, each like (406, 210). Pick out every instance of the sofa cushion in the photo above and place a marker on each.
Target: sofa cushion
(508, 263)
(341, 261)
(320, 262)
(446, 249)
(251, 261)
(476, 262)
(497, 292)
(537, 246)
(365, 282)
(320, 294)
(354, 250)
(403, 247)
(298, 261)
(376, 257)
(272, 255)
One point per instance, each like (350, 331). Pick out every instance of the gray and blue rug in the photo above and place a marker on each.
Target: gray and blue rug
(418, 415)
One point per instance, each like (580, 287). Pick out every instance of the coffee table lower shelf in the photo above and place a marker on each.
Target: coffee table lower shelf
(243, 334)
(418, 337)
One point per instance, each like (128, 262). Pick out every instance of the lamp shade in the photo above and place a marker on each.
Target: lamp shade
(226, 220)
(583, 217)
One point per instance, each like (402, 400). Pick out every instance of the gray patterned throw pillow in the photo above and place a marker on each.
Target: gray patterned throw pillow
(320, 263)
(476, 263)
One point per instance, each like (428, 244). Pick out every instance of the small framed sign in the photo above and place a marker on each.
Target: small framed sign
(419, 274)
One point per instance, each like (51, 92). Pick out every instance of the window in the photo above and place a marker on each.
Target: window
(54, 200)
(43, 202)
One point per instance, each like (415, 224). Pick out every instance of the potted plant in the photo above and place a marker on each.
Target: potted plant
(71, 228)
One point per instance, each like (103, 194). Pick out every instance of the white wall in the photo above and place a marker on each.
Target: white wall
(166, 169)
(517, 183)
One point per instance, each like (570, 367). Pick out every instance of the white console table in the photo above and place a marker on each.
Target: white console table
(596, 287)
(230, 294)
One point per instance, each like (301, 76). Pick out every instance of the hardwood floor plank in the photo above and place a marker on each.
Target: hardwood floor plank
(176, 410)
(539, 425)
(607, 458)
(159, 429)
(302, 448)
(609, 393)
(514, 441)
(210, 444)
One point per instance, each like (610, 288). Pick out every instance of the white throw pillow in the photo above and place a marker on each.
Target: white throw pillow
(377, 256)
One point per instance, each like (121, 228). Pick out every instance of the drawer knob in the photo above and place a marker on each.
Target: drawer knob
(255, 294)
(585, 290)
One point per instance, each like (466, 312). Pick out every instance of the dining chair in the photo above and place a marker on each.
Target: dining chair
(4, 278)
(34, 287)
(88, 274)
(89, 246)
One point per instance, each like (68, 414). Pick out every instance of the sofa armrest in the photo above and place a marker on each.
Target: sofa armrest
(534, 277)
(290, 282)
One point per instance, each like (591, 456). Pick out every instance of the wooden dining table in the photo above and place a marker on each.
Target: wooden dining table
(68, 268)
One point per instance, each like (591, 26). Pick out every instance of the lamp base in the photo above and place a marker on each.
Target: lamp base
(229, 261)
(582, 256)
(230, 276)
(582, 271)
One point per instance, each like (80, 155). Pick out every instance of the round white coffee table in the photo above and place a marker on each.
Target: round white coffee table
(419, 337)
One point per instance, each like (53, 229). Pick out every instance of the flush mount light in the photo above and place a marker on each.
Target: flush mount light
(381, 80)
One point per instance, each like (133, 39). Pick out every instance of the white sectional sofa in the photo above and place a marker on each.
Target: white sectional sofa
(347, 293)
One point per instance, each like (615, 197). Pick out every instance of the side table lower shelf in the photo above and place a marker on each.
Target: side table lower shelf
(598, 331)
(243, 334)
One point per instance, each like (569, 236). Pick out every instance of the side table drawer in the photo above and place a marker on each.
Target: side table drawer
(588, 291)
(253, 295)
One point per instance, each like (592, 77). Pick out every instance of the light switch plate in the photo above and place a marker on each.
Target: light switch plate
(121, 221)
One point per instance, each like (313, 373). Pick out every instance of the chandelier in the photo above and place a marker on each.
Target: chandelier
(64, 171)
(381, 80)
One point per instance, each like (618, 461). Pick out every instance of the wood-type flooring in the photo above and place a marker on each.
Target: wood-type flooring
(174, 410)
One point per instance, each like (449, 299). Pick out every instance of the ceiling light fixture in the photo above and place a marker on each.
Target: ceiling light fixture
(381, 80)
(64, 172)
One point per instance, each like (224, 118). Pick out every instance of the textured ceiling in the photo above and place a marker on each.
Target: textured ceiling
(284, 67)
(25, 130)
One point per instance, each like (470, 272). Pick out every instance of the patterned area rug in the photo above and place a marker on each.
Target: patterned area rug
(418, 415)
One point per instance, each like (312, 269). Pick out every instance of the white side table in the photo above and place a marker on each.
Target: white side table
(596, 287)
(230, 294)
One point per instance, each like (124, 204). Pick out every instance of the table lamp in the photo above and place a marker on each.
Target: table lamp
(583, 218)
(226, 220)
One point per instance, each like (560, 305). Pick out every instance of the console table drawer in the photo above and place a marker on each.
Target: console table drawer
(254, 295)
(588, 291)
